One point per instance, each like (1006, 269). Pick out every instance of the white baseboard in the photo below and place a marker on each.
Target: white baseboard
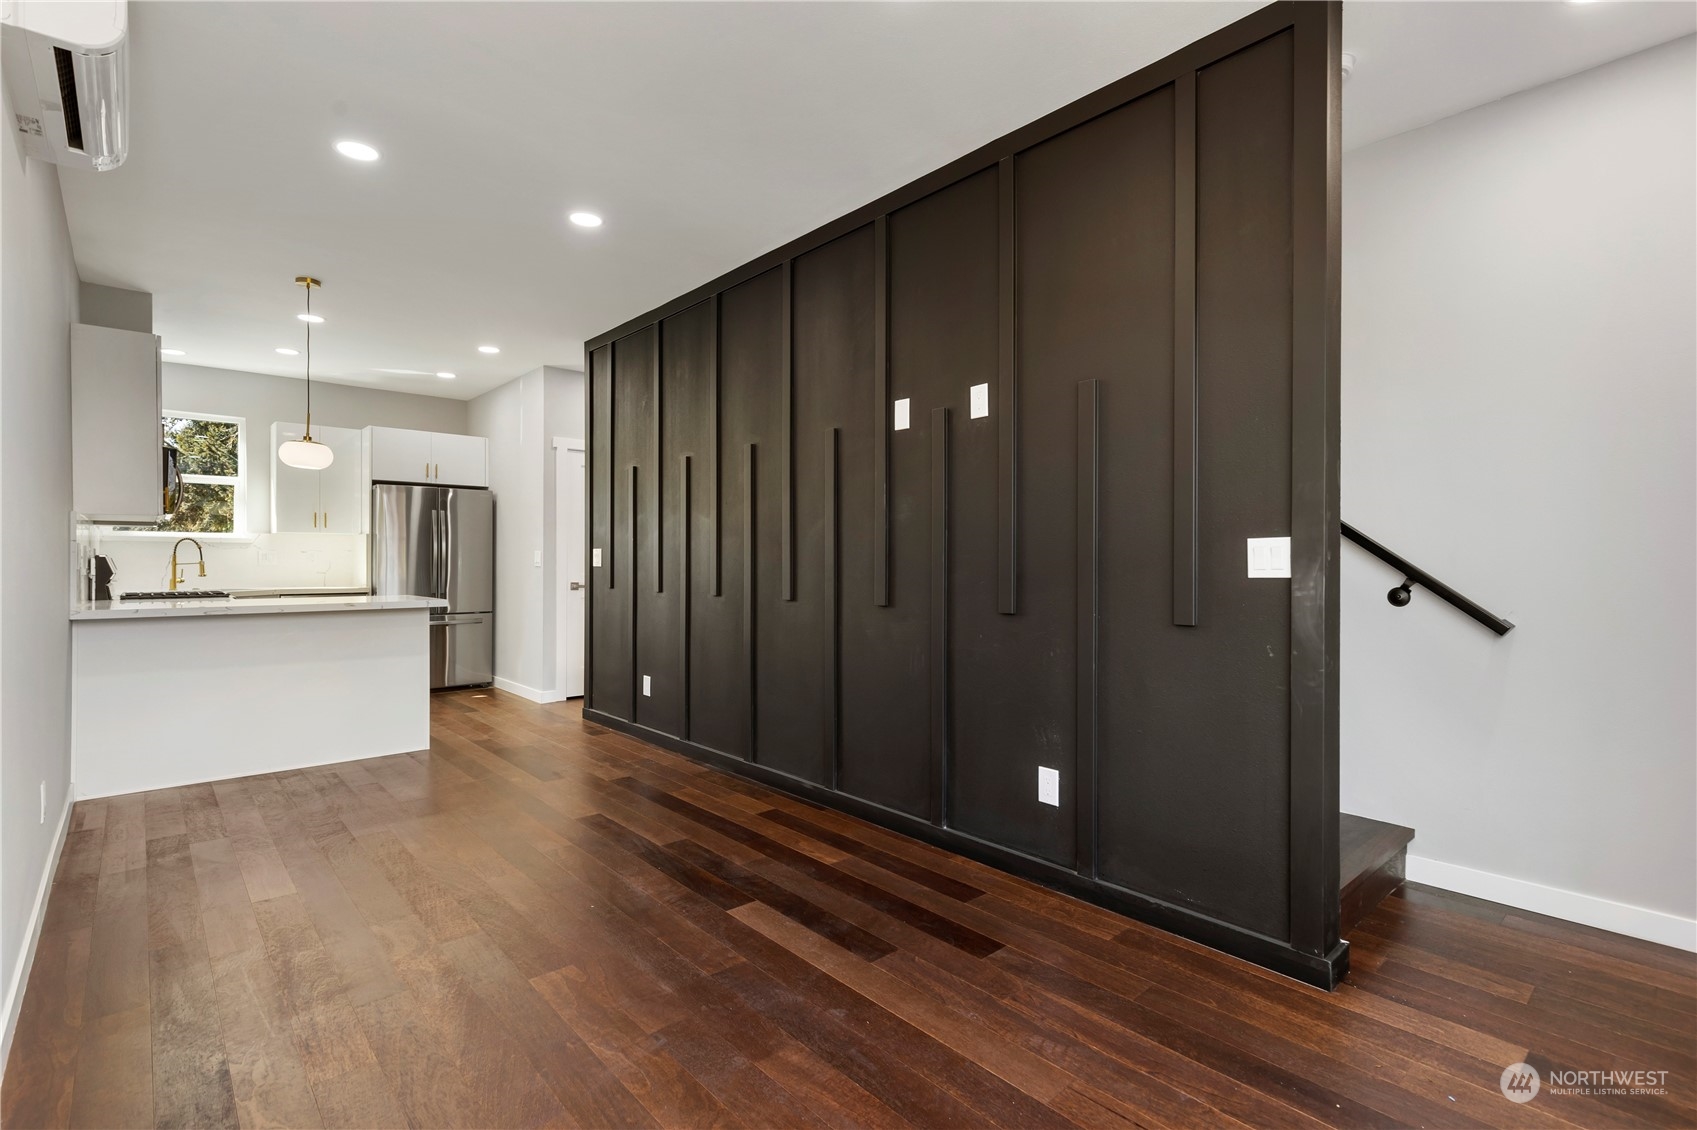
(523, 691)
(38, 912)
(1588, 910)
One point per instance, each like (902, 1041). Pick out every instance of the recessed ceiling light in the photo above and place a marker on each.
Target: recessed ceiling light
(313, 318)
(172, 352)
(358, 150)
(489, 349)
(585, 219)
(287, 352)
(446, 376)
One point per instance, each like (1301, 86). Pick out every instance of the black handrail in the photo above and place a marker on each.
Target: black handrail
(1414, 575)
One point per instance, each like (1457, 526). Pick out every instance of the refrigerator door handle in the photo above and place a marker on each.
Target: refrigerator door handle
(447, 560)
(435, 553)
(447, 543)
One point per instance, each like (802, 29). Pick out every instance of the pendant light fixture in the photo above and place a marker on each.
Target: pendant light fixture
(306, 452)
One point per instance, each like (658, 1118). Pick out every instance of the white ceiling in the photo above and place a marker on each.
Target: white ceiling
(704, 133)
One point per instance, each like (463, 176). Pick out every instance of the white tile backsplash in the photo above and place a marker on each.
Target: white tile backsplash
(143, 563)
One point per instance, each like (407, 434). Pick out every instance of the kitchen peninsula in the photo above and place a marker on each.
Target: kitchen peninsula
(171, 692)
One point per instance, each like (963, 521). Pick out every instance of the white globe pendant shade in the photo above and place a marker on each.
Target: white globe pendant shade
(307, 454)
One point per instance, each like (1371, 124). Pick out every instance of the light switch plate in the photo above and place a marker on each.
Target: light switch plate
(595, 558)
(901, 416)
(1269, 557)
(980, 401)
(537, 559)
(647, 686)
(1048, 786)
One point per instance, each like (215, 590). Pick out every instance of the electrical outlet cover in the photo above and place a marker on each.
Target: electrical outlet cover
(647, 686)
(901, 416)
(595, 558)
(980, 401)
(1048, 786)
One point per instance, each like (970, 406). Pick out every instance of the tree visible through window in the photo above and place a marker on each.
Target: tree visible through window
(211, 467)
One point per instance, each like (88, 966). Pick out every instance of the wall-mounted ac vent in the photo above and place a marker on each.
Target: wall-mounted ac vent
(67, 77)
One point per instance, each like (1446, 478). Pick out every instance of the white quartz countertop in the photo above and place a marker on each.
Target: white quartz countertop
(251, 606)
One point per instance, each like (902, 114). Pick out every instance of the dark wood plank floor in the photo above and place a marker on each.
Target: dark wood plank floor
(537, 922)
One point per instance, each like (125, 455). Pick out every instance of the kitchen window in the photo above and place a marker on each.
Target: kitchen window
(213, 465)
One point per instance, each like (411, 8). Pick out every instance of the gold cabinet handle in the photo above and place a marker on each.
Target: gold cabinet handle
(315, 519)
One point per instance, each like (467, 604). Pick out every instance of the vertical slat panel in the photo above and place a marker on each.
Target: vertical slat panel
(788, 424)
(881, 396)
(589, 575)
(612, 469)
(1007, 397)
(1314, 517)
(686, 592)
(1087, 520)
(635, 677)
(939, 616)
(659, 463)
(834, 623)
(750, 572)
(1187, 500)
(717, 570)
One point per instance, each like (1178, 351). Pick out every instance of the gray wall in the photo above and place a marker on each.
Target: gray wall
(39, 284)
(520, 420)
(115, 307)
(263, 400)
(1518, 359)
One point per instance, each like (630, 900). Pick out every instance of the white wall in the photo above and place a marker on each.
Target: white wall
(1518, 409)
(38, 303)
(520, 420)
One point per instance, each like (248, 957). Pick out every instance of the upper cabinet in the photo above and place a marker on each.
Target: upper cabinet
(459, 461)
(117, 450)
(400, 455)
(327, 501)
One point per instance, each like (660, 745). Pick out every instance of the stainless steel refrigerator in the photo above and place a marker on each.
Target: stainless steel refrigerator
(440, 541)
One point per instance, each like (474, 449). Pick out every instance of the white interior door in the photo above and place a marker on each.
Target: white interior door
(570, 498)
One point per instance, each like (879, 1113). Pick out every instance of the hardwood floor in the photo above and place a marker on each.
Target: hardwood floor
(538, 922)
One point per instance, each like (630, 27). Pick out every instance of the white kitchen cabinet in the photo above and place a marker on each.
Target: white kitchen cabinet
(327, 501)
(341, 486)
(117, 447)
(459, 461)
(401, 455)
(398, 455)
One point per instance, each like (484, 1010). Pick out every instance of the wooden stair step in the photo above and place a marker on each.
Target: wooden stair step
(1372, 862)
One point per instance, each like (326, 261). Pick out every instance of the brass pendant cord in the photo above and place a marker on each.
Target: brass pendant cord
(309, 363)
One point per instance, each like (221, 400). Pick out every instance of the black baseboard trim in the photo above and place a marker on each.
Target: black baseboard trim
(1270, 953)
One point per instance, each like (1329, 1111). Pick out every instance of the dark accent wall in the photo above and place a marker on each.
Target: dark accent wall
(908, 623)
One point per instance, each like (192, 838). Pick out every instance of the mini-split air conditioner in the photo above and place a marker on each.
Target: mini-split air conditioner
(68, 79)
